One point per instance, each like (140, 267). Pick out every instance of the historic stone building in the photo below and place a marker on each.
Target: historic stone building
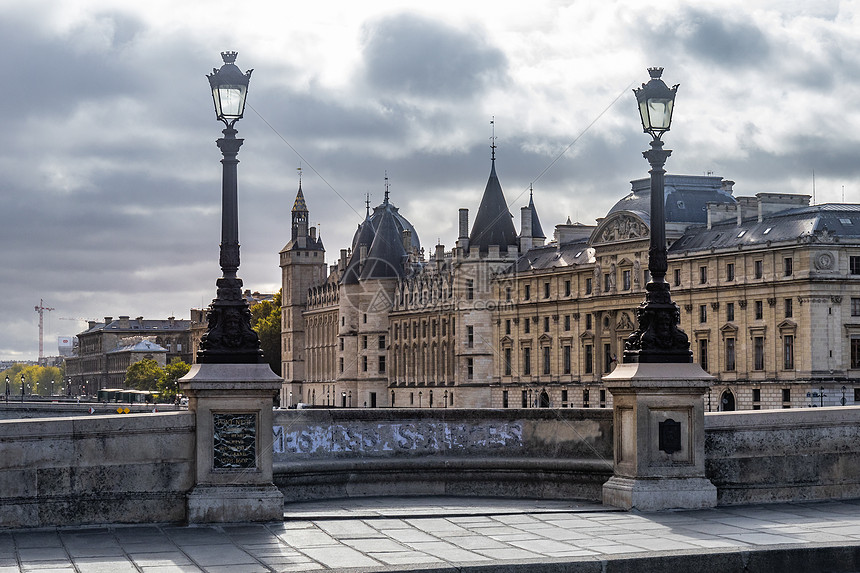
(768, 290)
(106, 349)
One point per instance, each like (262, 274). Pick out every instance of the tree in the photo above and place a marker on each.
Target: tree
(143, 375)
(266, 322)
(37, 379)
(168, 384)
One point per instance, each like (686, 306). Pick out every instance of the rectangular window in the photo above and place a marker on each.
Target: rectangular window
(607, 358)
(341, 343)
(854, 263)
(730, 311)
(703, 275)
(855, 353)
(527, 328)
(589, 359)
(602, 398)
(507, 361)
(507, 293)
(433, 328)
(546, 290)
(857, 394)
(364, 363)
(730, 271)
(730, 354)
(507, 326)
(588, 286)
(756, 395)
(566, 288)
(758, 353)
(364, 341)
(546, 324)
(527, 292)
(382, 364)
(470, 368)
(786, 396)
(504, 398)
(703, 354)
(382, 342)
(585, 398)
(527, 361)
(625, 279)
(470, 336)
(470, 289)
(525, 399)
(546, 361)
(564, 396)
(789, 308)
(364, 318)
(758, 268)
(567, 322)
(565, 353)
(703, 313)
(759, 310)
(787, 266)
(588, 322)
(607, 282)
(677, 276)
(855, 307)
(788, 352)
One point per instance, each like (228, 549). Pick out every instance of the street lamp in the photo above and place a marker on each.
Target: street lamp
(446, 398)
(52, 388)
(229, 338)
(658, 338)
(22, 388)
(7, 390)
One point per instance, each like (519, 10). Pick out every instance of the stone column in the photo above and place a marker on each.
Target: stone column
(233, 406)
(659, 435)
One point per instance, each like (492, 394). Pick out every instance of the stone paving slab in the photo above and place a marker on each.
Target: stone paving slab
(462, 535)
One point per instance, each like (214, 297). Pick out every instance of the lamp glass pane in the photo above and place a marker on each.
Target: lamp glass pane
(659, 113)
(232, 101)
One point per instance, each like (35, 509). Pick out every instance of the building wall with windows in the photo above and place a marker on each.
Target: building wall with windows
(767, 289)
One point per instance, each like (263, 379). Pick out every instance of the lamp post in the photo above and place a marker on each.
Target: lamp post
(7, 390)
(229, 338)
(22, 388)
(658, 338)
(446, 398)
(52, 388)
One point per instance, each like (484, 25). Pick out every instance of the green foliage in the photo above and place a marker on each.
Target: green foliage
(37, 379)
(143, 375)
(168, 386)
(266, 322)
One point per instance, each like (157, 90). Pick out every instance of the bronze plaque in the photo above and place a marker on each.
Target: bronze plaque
(670, 436)
(235, 441)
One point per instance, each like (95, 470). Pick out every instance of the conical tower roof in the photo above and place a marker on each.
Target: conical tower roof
(537, 231)
(386, 255)
(300, 206)
(494, 223)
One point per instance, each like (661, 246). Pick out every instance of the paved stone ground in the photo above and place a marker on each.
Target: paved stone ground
(461, 534)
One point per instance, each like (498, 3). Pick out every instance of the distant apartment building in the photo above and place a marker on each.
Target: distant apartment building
(106, 350)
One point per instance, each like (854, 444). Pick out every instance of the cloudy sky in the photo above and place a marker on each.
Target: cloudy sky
(110, 177)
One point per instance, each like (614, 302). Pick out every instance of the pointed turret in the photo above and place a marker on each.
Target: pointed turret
(494, 223)
(300, 215)
(537, 231)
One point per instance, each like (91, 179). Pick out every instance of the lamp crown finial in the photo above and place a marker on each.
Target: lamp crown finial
(655, 73)
(230, 57)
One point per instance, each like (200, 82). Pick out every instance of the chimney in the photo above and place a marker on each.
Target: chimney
(313, 232)
(463, 239)
(124, 322)
(526, 241)
(407, 240)
(727, 185)
(341, 263)
(440, 256)
(108, 320)
(91, 324)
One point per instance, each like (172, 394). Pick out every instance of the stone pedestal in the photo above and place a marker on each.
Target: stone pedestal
(233, 406)
(659, 436)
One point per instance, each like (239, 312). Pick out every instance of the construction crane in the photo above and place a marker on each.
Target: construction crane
(41, 308)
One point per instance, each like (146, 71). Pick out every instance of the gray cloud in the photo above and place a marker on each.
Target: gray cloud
(409, 55)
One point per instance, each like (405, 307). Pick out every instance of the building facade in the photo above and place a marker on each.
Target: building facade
(768, 290)
(106, 349)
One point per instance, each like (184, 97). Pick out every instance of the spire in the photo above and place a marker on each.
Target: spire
(300, 217)
(367, 205)
(494, 223)
(493, 140)
(385, 201)
(537, 231)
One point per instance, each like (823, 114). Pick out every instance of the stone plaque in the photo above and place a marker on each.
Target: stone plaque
(235, 441)
(670, 436)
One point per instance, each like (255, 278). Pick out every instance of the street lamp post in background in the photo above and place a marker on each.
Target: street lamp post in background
(658, 338)
(230, 338)
(7, 390)
(22, 388)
